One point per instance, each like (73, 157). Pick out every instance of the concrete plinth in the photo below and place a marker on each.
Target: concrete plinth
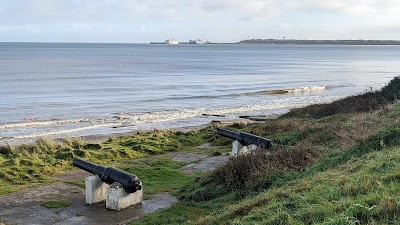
(252, 148)
(239, 149)
(96, 190)
(118, 198)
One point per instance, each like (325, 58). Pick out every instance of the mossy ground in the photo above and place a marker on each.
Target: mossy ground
(56, 204)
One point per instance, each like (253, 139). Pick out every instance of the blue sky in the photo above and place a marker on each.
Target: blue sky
(215, 20)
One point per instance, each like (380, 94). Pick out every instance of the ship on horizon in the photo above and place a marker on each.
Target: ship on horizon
(171, 41)
(199, 41)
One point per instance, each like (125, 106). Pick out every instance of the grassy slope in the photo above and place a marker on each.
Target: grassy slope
(360, 191)
(353, 178)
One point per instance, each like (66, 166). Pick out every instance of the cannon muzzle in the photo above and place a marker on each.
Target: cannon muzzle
(109, 175)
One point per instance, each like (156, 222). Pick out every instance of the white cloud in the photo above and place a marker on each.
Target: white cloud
(224, 18)
(40, 11)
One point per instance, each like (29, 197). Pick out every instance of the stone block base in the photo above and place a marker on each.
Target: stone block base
(115, 196)
(118, 198)
(96, 190)
(239, 149)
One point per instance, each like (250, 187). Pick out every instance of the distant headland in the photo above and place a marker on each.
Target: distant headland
(319, 42)
(288, 42)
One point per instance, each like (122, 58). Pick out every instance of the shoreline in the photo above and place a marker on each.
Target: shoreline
(101, 138)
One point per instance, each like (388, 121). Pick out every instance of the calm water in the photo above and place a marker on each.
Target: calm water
(61, 90)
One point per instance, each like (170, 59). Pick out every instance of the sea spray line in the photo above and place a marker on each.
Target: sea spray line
(65, 131)
(42, 123)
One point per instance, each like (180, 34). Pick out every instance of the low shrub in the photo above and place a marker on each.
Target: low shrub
(258, 169)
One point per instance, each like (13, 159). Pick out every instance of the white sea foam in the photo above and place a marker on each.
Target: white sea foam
(307, 89)
(49, 133)
(41, 123)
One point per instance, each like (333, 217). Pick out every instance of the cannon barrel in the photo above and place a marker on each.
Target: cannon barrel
(109, 175)
(245, 138)
(227, 133)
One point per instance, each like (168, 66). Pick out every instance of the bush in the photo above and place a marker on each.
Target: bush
(258, 169)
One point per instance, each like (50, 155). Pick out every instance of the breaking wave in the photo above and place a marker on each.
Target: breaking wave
(294, 90)
(267, 92)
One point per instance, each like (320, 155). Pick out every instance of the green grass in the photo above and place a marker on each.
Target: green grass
(177, 214)
(56, 204)
(159, 175)
(28, 164)
(364, 190)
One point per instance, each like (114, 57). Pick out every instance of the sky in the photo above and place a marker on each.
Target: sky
(143, 21)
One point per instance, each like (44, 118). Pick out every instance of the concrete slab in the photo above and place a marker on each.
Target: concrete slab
(188, 157)
(207, 164)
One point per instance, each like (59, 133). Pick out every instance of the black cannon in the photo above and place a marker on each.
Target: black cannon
(245, 138)
(109, 175)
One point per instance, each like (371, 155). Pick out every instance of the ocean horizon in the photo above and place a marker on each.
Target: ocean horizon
(62, 90)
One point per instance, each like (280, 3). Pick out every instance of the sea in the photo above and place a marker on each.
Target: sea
(59, 90)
